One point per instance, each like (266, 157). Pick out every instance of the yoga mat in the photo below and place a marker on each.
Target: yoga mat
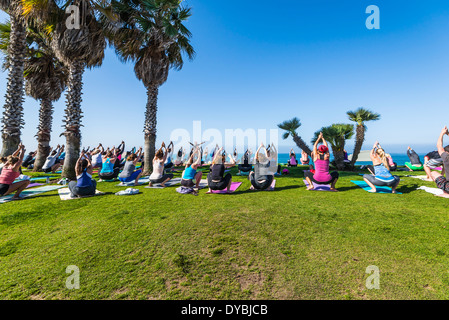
(41, 178)
(130, 184)
(65, 194)
(32, 185)
(234, 187)
(435, 191)
(423, 178)
(203, 184)
(30, 192)
(366, 187)
(243, 174)
(318, 187)
(172, 182)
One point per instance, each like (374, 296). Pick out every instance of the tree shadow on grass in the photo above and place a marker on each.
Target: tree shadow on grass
(343, 189)
(276, 189)
(407, 189)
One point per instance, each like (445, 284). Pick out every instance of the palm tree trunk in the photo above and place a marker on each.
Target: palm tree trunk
(150, 128)
(73, 116)
(339, 158)
(302, 145)
(359, 139)
(43, 133)
(13, 110)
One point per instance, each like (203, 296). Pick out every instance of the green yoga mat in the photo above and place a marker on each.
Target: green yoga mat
(366, 187)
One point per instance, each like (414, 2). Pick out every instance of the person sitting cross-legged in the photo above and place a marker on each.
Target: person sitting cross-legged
(158, 175)
(84, 185)
(129, 172)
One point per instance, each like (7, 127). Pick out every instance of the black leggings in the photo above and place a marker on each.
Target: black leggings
(110, 175)
(221, 185)
(261, 185)
(245, 168)
(335, 175)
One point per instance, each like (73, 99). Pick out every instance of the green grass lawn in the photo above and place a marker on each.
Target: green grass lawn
(287, 244)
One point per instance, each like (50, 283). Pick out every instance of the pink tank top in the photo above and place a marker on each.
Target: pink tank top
(8, 176)
(322, 171)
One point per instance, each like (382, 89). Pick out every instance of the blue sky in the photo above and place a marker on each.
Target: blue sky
(259, 63)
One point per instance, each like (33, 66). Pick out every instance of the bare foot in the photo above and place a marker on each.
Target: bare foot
(372, 191)
(310, 188)
(334, 190)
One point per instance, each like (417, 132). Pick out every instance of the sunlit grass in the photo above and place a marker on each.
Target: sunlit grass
(286, 244)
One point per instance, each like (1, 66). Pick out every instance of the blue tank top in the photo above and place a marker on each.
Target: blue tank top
(382, 173)
(108, 166)
(189, 174)
(84, 180)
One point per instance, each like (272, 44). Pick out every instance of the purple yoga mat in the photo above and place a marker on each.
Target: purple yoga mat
(319, 187)
(234, 187)
(32, 185)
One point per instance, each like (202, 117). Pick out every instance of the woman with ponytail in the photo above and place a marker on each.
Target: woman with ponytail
(84, 185)
(381, 176)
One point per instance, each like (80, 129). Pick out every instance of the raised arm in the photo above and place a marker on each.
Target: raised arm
(232, 163)
(61, 149)
(21, 154)
(198, 160)
(440, 147)
(17, 152)
(315, 146)
(258, 150)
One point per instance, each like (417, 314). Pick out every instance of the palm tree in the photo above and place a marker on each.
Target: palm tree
(78, 49)
(290, 126)
(45, 80)
(360, 116)
(336, 135)
(151, 33)
(13, 111)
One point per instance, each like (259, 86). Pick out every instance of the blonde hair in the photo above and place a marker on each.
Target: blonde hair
(217, 159)
(383, 157)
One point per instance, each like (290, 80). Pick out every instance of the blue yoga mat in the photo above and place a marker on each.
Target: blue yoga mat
(366, 187)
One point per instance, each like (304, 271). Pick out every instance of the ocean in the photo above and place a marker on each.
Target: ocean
(399, 158)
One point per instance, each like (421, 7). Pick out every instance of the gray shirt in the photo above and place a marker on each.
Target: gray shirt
(445, 157)
(128, 170)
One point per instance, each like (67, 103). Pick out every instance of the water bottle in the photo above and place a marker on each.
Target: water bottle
(48, 180)
(64, 181)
